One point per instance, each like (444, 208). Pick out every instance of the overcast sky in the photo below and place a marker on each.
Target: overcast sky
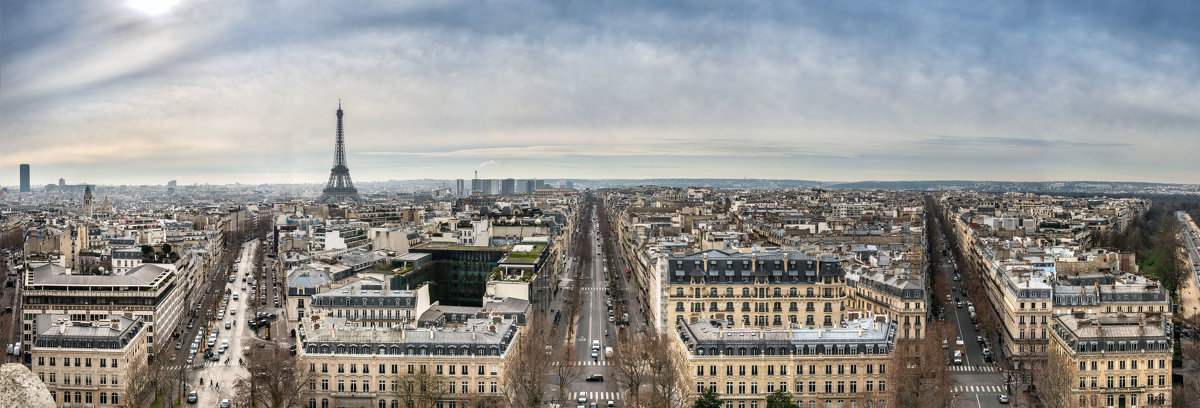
(116, 92)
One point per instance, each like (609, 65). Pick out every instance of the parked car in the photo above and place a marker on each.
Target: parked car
(595, 378)
(1003, 399)
(192, 397)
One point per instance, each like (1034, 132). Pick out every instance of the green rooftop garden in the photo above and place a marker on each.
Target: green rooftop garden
(527, 257)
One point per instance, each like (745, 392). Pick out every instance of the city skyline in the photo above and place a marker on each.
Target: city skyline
(124, 93)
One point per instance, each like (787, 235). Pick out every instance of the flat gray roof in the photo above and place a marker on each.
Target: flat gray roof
(145, 275)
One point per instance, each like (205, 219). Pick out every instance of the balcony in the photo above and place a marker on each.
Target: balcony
(353, 394)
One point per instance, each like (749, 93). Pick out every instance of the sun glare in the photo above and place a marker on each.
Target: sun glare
(152, 7)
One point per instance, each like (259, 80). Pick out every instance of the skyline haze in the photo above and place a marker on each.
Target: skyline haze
(222, 92)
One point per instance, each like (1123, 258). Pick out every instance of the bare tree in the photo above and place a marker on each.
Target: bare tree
(667, 372)
(1185, 394)
(630, 363)
(139, 388)
(276, 378)
(1055, 376)
(485, 401)
(526, 374)
(422, 389)
(13, 239)
(567, 370)
(919, 374)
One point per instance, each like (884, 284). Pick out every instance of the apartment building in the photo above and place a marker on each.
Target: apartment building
(899, 296)
(150, 292)
(89, 363)
(1022, 264)
(360, 366)
(777, 289)
(124, 259)
(367, 302)
(1103, 293)
(1113, 360)
(820, 367)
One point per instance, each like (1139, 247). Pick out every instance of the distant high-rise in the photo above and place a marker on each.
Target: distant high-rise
(24, 178)
(507, 186)
(62, 182)
(171, 187)
(339, 188)
(460, 188)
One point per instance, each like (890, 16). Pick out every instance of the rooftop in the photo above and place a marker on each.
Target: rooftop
(54, 277)
(112, 333)
(331, 332)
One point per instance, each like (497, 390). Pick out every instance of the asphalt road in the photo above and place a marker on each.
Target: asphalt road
(227, 371)
(593, 323)
(975, 383)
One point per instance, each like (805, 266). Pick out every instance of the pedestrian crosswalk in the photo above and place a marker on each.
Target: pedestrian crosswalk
(593, 288)
(987, 369)
(583, 363)
(979, 389)
(598, 397)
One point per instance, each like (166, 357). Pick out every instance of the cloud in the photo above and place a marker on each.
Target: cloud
(444, 86)
(487, 163)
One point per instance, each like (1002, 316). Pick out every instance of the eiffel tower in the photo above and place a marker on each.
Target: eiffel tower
(339, 188)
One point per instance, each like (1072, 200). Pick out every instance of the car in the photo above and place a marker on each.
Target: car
(959, 341)
(595, 378)
(233, 312)
(945, 343)
(179, 345)
(960, 305)
(582, 399)
(595, 354)
(228, 325)
(192, 397)
(948, 298)
(1003, 399)
(225, 403)
(611, 404)
(979, 339)
(611, 319)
